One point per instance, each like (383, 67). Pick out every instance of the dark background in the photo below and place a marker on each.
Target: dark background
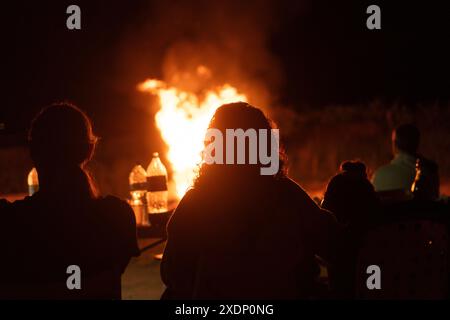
(327, 55)
(321, 53)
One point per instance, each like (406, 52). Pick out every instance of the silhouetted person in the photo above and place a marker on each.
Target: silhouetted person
(400, 173)
(426, 181)
(352, 198)
(350, 195)
(65, 223)
(238, 234)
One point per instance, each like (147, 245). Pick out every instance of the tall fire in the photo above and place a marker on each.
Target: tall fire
(182, 119)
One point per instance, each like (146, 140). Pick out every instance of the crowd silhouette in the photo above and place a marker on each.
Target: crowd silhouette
(236, 234)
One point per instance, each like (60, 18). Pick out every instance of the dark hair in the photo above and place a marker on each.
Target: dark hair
(407, 138)
(349, 194)
(61, 136)
(239, 115)
(356, 169)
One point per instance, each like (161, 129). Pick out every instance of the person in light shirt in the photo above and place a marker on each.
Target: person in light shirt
(400, 172)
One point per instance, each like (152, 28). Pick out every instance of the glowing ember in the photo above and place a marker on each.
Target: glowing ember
(183, 119)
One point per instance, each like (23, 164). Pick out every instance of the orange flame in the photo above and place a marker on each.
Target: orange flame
(182, 119)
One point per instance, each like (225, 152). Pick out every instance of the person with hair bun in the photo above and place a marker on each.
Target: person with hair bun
(66, 223)
(349, 194)
(352, 198)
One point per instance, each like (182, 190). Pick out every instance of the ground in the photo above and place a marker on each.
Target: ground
(141, 280)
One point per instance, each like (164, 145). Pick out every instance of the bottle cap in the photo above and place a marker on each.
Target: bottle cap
(155, 154)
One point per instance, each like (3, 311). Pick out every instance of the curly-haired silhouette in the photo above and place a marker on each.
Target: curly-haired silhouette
(65, 223)
(238, 234)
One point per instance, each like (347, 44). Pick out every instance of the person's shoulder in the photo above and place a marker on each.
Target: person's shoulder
(114, 208)
(189, 200)
(385, 169)
(116, 213)
(301, 201)
(189, 195)
(113, 203)
(22, 204)
(109, 199)
(120, 221)
(393, 176)
(295, 196)
(384, 172)
(189, 209)
(193, 196)
(291, 187)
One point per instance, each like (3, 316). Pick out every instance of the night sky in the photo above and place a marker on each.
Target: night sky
(326, 56)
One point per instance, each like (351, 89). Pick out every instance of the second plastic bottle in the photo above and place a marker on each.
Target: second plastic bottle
(157, 192)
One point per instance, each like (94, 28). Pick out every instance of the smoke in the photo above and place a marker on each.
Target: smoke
(195, 46)
(228, 40)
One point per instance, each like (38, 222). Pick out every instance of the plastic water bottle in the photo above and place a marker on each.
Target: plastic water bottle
(33, 182)
(157, 193)
(138, 189)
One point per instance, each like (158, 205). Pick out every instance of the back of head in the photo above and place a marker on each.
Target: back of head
(237, 195)
(349, 194)
(406, 138)
(61, 140)
(61, 134)
(239, 115)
